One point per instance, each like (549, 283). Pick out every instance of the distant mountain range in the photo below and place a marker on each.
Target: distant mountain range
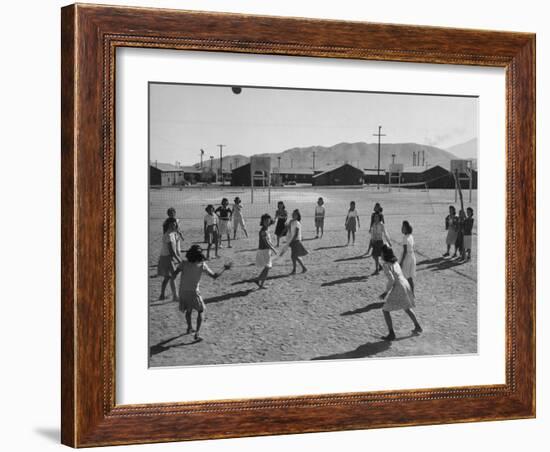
(362, 155)
(468, 149)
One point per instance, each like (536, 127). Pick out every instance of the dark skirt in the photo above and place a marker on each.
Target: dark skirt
(459, 243)
(297, 249)
(280, 228)
(377, 248)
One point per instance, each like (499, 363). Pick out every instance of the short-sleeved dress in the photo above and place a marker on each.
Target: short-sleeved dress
(238, 219)
(451, 224)
(189, 294)
(319, 216)
(351, 221)
(165, 266)
(263, 256)
(211, 230)
(399, 294)
(225, 220)
(409, 263)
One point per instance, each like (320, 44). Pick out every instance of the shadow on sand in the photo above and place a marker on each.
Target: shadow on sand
(443, 265)
(354, 258)
(228, 296)
(363, 351)
(367, 308)
(163, 346)
(329, 247)
(435, 260)
(163, 302)
(350, 279)
(253, 280)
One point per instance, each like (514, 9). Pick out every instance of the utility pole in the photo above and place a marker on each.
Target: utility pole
(423, 156)
(279, 159)
(393, 159)
(221, 146)
(379, 135)
(211, 164)
(313, 161)
(202, 154)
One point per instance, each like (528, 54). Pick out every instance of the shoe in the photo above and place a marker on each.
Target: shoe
(446, 255)
(417, 330)
(389, 337)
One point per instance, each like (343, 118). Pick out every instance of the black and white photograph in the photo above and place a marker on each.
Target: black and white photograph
(292, 224)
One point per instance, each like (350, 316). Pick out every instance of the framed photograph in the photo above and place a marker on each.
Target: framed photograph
(281, 225)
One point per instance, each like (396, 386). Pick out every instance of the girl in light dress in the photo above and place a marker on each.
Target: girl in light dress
(263, 256)
(408, 258)
(297, 250)
(451, 226)
(379, 236)
(281, 215)
(238, 220)
(168, 254)
(319, 218)
(352, 222)
(189, 295)
(224, 215)
(398, 294)
(211, 230)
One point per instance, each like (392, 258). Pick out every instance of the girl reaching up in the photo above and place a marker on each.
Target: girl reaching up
(263, 256)
(211, 230)
(190, 298)
(238, 220)
(224, 214)
(352, 222)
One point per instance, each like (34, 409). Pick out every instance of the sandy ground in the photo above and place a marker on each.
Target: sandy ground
(333, 310)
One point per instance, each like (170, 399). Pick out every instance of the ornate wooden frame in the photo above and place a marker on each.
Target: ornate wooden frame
(90, 35)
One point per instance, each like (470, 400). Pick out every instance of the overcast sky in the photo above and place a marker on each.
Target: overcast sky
(186, 118)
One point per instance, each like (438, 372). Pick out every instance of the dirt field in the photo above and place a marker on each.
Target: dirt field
(333, 310)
